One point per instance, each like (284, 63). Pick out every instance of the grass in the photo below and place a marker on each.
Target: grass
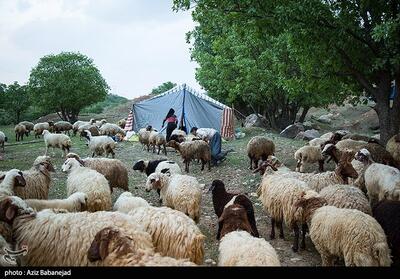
(234, 172)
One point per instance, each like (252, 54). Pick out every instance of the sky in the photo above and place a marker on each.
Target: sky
(136, 44)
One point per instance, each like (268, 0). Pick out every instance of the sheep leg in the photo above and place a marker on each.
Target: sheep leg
(304, 229)
(165, 150)
(272, 234)
(45, 153)
(209, 165)
(327, 260)
(321, 165)
(298, 166)
(154, 148)
(251, 163)
(219, 230)
(202, 164)
(281, 234)
(296, 230)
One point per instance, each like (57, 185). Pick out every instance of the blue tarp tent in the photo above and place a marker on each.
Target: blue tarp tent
(193, 108)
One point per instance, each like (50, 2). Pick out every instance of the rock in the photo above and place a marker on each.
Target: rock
(307, 125)
(254, 120)
(342, 132)
(210, 261)
(377, 136)
(291, 131)
(308, 135)
(295, 259)
(326, 118)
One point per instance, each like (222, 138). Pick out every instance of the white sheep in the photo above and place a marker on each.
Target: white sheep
(38, 128)
(126, 202)
(90, 182)
(38, 180)
(382, 182)
(77, 202)
(239, 248)
(144, 135)
(114, 170)
(101, 144)
(346, 196)
(174, 234)
(111, 247)
(353, 145)
(157, 139)
(349, 234)
(180, 192)
(56, 141)
(9, 181)
(111, 129)
(278, 196)
(310, 155)
(3, 139)
(67, 235)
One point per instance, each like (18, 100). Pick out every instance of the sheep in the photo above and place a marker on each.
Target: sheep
(234, 218)
(387, 213)
(318, 181)
(9, 181)
(121, 123)
(3, 139)
(67, 235)
(161, 165)
(38, 180)
(345, 196)
(361, 163)
(90, 182)
(353, 145)
(346, 233)
(380, 155)
(28, 125)
(110, 129)
(275, 166)
(221, 198)
(126, 202)
(278, 196)
(77, 202)
(239, 248)
(158, 139)
(114, 170)
(180, 192)
(310, 155)
(318, 142)
(259, 148)
(40, 127)
(144, 134)
(94, 131)
(62, 126)
(189, 150)
(98, 124)
(101, 144)
(382, 182)
(174, 234)
(20, 131)
(56, 141)
(112, 247)
(77, 124)
(393, 147)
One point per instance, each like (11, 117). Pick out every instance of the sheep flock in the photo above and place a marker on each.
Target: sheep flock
(334, 202)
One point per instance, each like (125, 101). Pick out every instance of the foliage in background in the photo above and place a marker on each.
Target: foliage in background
(291, 53)
(163, 87)
(111, 100)
(66, 83)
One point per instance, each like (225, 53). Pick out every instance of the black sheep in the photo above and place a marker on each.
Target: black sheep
(148, 167)
(221, 197)
(387, 213)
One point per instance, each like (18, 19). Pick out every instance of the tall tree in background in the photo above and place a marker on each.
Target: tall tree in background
(16, 100)
(66, 83)
(354, 43)
(163, 87)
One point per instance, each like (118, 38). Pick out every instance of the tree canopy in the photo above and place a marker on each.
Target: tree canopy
(163, 87)
(16, 100)
(66, 83)
(287, 54)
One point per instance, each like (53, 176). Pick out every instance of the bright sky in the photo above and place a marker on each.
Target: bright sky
(136, 44)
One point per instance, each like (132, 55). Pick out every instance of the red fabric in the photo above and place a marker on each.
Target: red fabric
(171, 119)
(129, 122)
(227, 129)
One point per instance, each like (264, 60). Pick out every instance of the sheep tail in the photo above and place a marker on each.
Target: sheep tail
(198, 248)
(382, 253)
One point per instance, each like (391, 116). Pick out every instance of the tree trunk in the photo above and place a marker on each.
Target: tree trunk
(389, 118)
(303, 114)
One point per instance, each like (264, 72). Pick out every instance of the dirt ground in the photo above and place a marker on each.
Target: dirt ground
(234, 172)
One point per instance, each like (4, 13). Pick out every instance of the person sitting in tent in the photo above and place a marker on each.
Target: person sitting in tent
(172, 121)
(213, 137)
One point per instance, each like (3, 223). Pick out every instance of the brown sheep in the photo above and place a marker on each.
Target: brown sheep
(20, 130)
(259, 148)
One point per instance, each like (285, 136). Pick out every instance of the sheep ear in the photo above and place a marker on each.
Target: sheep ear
(99, 248)
(2, 177)
(9, 210)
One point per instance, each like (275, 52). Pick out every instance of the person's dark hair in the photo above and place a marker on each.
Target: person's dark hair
(194, 129)
(170, 112)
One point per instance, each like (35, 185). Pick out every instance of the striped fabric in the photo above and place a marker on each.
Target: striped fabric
(129, 122)
(227, 130)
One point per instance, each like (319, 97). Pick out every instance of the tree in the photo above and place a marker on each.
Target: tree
(66, 83)
(163, 87)
(16, 100)
(354, 42)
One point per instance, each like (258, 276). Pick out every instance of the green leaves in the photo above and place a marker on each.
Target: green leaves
(163, 87)
(66, 83)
